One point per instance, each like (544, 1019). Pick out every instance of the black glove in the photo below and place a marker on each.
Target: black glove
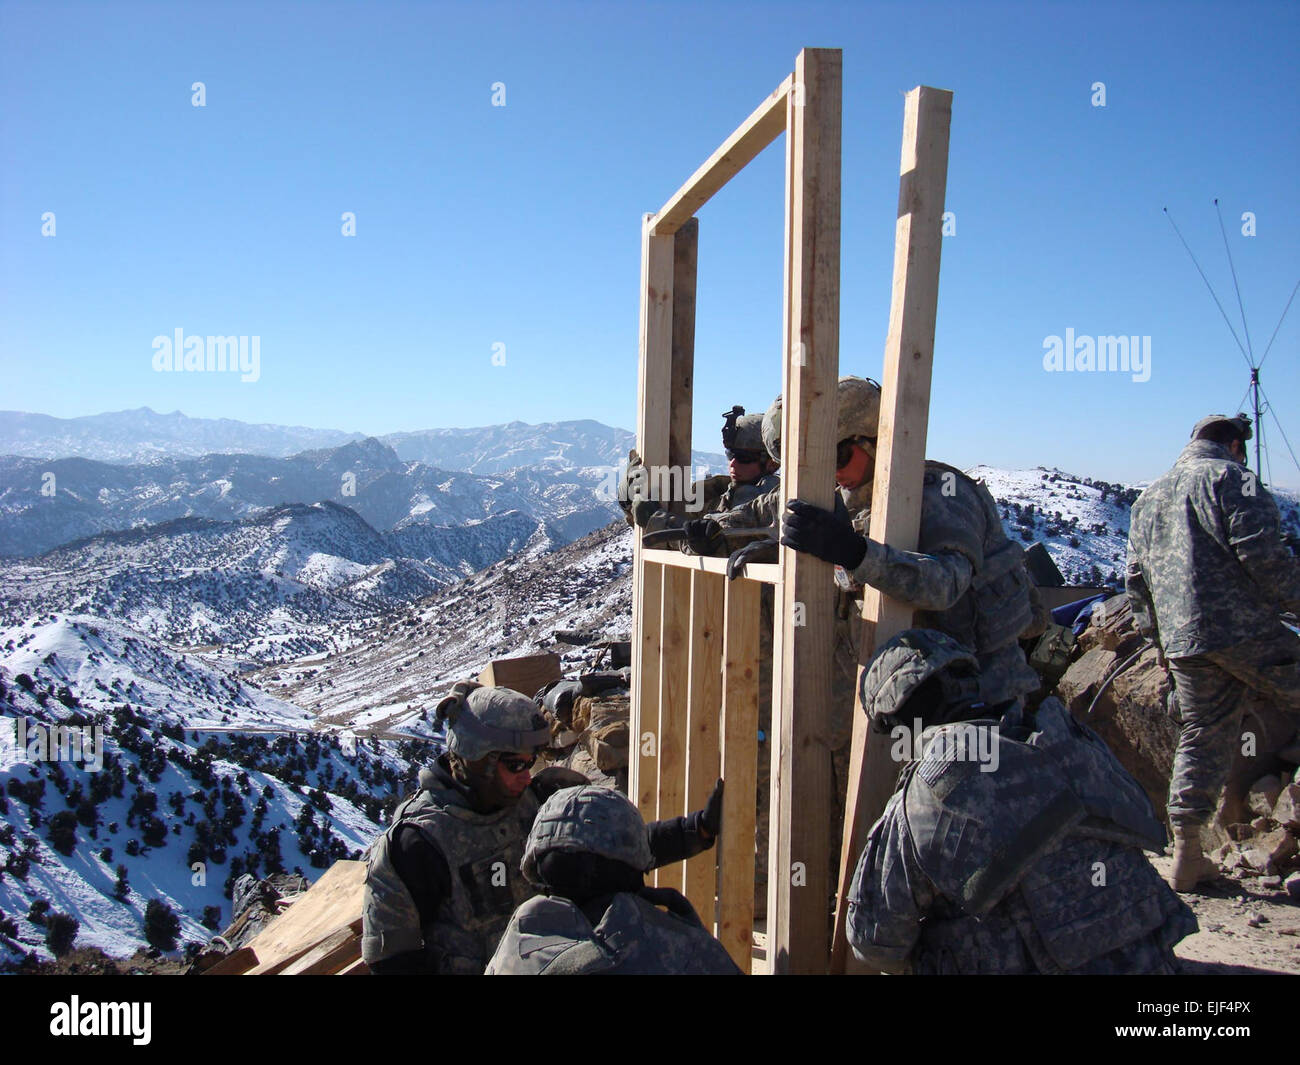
(819, 532)
(755, 551)
(710, 822)
(702, 535)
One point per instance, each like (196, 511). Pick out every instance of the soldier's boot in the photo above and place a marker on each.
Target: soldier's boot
(1191, 866)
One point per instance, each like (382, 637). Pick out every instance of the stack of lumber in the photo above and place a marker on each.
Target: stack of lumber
(318, 935)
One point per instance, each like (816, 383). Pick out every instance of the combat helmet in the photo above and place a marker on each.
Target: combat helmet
(902, 665)
(857, 413)
(772, 430)
(481, 720)
(749, 433)
(857, 408)
(741, 431)
(1241, 423)
(588, 820)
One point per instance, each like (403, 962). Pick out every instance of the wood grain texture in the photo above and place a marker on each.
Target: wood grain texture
(704, 718)
(799, 924)
(740, 649)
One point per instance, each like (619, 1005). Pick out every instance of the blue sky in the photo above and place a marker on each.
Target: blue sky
(520, 225)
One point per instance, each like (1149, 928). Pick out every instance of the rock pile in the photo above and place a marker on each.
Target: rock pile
(1115, 673)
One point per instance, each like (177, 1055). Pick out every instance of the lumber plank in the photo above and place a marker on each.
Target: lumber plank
(674, 672)
(900, 449)
(643, 766)
(654, 401)
(331, 954)
(357, 968)
(799, 923)
(736, 859)
(334, 900)
(763, 572)
(682, 372)
(233, 964)
(703, 749)
(761, 128)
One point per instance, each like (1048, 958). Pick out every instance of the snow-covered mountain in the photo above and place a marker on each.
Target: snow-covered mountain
(139, 808)
(295, 571)
(399, 662)
(47, 503)
(142, 435)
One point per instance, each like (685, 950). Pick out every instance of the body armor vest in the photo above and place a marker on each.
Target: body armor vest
(483, 852)
(1038, 862)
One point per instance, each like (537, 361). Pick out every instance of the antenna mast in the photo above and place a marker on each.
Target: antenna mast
(1247, 350)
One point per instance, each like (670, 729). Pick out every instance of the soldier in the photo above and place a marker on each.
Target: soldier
(1013, 844)
(1208, 574)
(587, 852)
(751, 472)
(965, 577)
(443, 880)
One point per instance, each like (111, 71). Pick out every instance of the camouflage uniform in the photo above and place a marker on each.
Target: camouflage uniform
(965, 578)
(1208, 573)
(1025, 860)
(482, 853)
(624, 933)
(443, 880)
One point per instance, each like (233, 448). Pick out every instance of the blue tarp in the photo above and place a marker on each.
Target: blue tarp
(1079, 613)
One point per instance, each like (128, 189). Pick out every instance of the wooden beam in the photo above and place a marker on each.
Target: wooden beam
(233, 964)
(799, 926)
(331, 954)
(703, 749)
(653, 431)
(682, 372)
(643, 764)
(740, 647)
(674, 674)
(333, 901)
(900, 448)
(762, 572)
(753, 135)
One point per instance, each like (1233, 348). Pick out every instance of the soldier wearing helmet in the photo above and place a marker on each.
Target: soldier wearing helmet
(587, 853)
(751, 473)
(1208, 576)
(444, 878)
(965, 577)
(1013, 843)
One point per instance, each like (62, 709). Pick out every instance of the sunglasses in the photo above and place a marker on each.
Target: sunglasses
(517, 765)
(744, 457)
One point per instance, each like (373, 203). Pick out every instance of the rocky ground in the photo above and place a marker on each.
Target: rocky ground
(1247, 926)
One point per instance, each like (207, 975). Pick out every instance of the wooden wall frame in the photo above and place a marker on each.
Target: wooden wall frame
(695, 634)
